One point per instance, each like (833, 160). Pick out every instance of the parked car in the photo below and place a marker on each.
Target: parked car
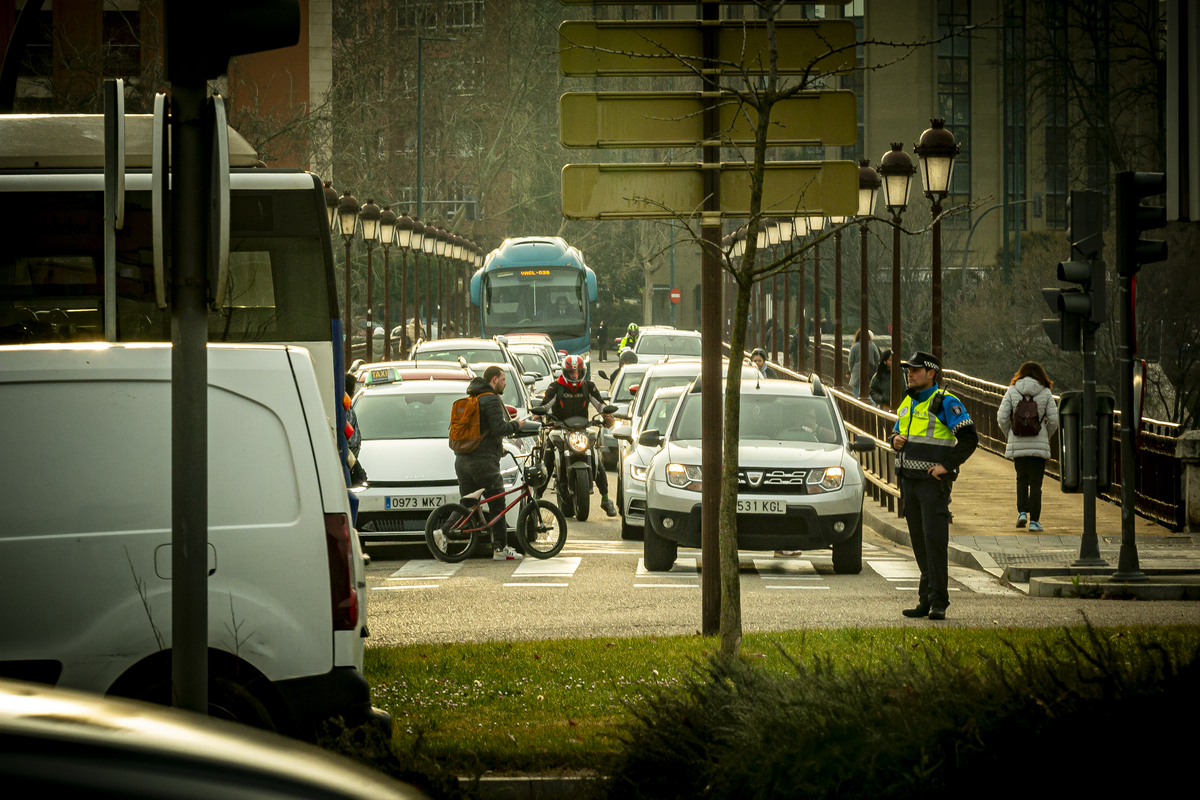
(628, 376)
(631, 484)
(799, 484)
(81, 745)
(472, 351)
(405, 426)
(533, 362)
(92, 503)
(656, 342)
(540, 340)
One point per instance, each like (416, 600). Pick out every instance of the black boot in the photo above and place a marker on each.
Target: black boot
(922, 610)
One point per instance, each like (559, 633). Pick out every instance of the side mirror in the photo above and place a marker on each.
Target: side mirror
(608, 409)
(602, 375)
(530, 428)
(530, 378)
(650, 438)
(512, 411)
(556, 371)
(634, 389)
(862, 444)
(623, 433)
(538, 410)
(604, 395)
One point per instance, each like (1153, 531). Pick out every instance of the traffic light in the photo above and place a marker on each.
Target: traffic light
(1133, 219)
(202, 37)
(1084, 304)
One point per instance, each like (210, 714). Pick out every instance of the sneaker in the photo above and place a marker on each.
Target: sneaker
(788, 553)
(507, 554)
(1036, 527)
(1022, 518)
(609, 508)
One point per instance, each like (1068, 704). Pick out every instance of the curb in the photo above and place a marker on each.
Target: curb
(878, 521)
(1083, 587)
(530, 787)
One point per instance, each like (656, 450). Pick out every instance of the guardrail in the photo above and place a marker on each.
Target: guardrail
(1159, 493)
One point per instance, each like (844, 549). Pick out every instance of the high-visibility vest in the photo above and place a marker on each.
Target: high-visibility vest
(929, 440)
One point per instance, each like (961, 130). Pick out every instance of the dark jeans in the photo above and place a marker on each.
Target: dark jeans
(1030, 471)
(927, 511)
(474, 474)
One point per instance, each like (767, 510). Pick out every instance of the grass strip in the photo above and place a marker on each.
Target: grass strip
(560, 706)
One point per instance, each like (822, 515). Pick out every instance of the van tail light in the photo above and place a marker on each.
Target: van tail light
(343, 595)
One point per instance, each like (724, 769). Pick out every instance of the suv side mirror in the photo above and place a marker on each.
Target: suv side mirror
(600, 372)
(862, 444)
(530, 378)
(650, 438)
(604, 395)
(624, 433)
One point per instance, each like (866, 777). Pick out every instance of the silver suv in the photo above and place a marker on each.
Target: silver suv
(799, 485)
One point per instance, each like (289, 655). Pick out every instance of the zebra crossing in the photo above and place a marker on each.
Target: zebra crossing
(798, 574)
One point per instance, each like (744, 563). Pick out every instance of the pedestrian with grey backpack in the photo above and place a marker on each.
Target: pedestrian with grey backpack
(1028, 416)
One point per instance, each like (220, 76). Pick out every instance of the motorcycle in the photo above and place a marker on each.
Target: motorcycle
(575, 441)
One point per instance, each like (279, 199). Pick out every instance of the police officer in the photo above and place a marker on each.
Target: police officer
(933, 436)
(630, 338)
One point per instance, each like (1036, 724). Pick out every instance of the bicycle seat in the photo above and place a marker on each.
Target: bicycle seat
(473, 498)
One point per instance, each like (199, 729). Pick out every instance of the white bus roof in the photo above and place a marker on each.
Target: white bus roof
(76, 141)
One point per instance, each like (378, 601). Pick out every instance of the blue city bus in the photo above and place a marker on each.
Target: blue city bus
(537, 284)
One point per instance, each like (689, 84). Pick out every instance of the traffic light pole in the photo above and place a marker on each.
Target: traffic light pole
(1128, 568)
(1089, 544)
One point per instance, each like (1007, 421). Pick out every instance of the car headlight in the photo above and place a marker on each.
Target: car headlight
(684, 476)
(638, 473)
(578, 440)
(826, 480)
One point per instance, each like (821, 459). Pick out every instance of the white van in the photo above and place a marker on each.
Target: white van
(85, 532)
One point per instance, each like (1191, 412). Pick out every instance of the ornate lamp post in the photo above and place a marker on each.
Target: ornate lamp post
(773, 239)
(443, 240)
(387, 234)
(868, 192)
(456, 271)
(347, 214)
(331, 203)
(896, 169)
(369, 215)
(417, 245)
(404, 238)
(837, 299)
(800, 230)
(786, 227)
(937, 150)
(428, 242)
(816, 224)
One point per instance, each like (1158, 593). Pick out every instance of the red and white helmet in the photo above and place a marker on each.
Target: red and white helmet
(574, 370)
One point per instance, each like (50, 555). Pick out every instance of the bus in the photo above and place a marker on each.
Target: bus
(280, 287)
(537, 284)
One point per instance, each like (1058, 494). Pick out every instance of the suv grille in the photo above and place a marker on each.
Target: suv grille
(786, 481)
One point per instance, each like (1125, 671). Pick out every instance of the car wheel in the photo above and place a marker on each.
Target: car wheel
(658, 553)
(847, 555)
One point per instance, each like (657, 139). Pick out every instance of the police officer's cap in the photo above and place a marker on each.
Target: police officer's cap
(922, 360)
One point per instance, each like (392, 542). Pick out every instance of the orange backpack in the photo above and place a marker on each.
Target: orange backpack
(465, 434)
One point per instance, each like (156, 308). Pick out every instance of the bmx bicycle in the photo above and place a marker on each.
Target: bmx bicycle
(454, 530)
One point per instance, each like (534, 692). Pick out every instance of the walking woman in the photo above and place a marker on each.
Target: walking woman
(881, 383)
(1028, 416)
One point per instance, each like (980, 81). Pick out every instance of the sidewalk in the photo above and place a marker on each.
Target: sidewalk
(984, 535)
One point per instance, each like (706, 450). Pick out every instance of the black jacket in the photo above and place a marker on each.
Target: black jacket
(564, 402)
(881, 386)
(494, 423)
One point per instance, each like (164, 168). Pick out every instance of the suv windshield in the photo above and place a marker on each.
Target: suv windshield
(771, 418)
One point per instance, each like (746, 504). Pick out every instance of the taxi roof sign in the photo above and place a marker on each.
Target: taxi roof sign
(376, 377)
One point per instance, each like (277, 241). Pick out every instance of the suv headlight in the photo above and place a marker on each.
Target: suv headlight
(684, 476)
(826, 480)
(638, 473)
(578, 440)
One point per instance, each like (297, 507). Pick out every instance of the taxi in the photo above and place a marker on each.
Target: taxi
(404, 420)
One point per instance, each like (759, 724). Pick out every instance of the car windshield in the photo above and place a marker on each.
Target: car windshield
(472, 355)
(627, 378)
(668, 345)
(389, 415)
(770, 418)
(659, 415)
(533, 362)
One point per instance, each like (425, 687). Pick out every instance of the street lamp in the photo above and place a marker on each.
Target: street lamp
(896, 169)
(331, 203)
(937, 150)
(837, 222)
(387, 235)
(428, 242)
(868, 193)
(347, 215)
(405, 232)
(785, 228)
(369, 215)
(443, 241)
(773, 239)
(816, 224)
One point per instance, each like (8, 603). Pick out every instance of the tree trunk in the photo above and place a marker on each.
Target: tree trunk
(731, 587)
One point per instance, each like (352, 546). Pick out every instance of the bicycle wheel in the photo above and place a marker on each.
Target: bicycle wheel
(542, 529)
(454, 545)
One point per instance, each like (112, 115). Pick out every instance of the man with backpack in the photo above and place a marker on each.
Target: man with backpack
(478, 425)
(933, 436)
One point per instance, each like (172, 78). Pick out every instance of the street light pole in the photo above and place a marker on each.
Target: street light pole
(837, 301)
(937, 150)
(404, 238)
(816, 224)
(369, 215)
(348, 218)
(868, 191)
(387, 232)
(896, 169)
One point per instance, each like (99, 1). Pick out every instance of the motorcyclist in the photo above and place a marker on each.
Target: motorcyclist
(570, 397)
(631, 334)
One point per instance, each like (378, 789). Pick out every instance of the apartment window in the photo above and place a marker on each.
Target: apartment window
(954, 97)
(464, 15)
(121, 37)
(39, 51)
(416, 16)
(856, 82)
(468, 76)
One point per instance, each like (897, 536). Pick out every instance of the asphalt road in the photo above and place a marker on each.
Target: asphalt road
(597, 587)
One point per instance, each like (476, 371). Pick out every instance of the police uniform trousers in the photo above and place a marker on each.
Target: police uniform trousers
(927, 511)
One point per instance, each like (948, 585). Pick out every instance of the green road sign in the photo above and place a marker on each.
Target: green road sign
(665, 191)
(675, 119)
(599, 49)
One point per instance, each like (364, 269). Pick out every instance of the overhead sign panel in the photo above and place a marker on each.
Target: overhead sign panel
(616, 48)
(675, 119)
(664, 191)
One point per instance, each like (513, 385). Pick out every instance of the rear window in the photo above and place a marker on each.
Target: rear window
(660, 345)
(626, 379)
(472, 355)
